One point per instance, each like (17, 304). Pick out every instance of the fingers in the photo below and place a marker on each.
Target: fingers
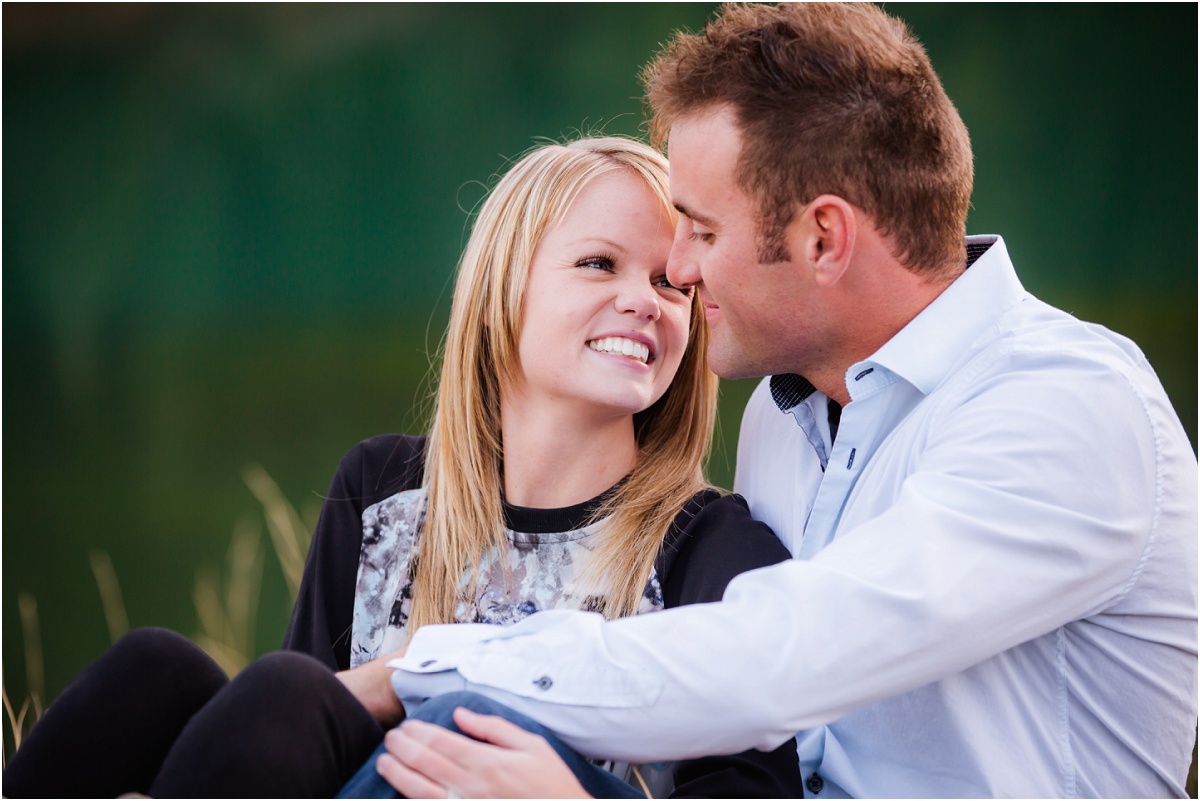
(420, 737)
(425, 760)
(407, 782)
(493, 729)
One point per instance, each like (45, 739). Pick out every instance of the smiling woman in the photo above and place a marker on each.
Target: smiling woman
(598, 294)
(562, 471)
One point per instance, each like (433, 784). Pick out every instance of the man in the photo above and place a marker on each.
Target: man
(991, 504)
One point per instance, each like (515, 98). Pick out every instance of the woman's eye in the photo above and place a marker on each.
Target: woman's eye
(596, 263)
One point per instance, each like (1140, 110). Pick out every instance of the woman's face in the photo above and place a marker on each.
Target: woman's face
(602, 328)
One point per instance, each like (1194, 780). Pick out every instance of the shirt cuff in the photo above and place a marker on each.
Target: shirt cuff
(550, 669)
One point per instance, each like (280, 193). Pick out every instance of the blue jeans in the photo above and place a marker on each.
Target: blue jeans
(367, 783)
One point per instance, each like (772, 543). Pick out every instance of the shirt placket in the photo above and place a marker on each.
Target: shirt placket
(871, 390)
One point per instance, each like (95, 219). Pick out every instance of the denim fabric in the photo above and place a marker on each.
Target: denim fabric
(595, 780)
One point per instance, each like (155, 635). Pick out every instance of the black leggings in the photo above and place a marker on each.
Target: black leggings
(154, 714)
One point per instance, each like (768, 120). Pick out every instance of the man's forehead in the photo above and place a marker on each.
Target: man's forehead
(713, 129)
(704, 149)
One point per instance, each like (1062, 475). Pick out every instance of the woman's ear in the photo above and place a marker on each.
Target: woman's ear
(824, 232)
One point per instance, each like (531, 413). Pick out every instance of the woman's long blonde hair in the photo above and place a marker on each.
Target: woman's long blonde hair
(464, 456)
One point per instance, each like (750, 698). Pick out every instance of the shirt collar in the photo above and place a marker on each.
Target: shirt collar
(928, 348)
(925, 350)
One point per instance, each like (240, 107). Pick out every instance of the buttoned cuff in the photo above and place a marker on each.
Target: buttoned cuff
(555, 669)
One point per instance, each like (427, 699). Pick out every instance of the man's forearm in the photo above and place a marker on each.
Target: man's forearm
(793, 646)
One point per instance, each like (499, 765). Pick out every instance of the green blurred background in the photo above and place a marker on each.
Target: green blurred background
(229, 232)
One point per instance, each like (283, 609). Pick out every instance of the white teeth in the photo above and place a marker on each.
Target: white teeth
(622, 346)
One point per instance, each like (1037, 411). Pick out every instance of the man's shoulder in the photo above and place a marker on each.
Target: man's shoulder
(1036, 326)
(1036, 344)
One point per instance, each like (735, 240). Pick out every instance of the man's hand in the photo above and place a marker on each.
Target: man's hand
(372, 686)
(426, 761)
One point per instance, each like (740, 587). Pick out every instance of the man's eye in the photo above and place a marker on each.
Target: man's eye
(701, 236)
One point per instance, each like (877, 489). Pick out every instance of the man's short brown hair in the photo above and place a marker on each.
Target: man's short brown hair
(829, 98)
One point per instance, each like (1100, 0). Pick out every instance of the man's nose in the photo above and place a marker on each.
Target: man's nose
(682, 270)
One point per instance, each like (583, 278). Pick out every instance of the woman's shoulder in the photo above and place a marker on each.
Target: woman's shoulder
(714, 538)
(712, 510)
(381, 466)
(715, 513)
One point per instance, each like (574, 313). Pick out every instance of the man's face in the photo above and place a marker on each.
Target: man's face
(756, 311)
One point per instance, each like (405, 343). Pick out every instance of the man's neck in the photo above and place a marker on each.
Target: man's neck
(894, 296)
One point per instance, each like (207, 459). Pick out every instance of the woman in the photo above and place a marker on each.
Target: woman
(563, 470)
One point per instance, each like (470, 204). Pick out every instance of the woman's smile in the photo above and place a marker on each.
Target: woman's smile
(623, 346)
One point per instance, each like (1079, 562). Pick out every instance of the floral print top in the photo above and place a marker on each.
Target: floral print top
(537, 571)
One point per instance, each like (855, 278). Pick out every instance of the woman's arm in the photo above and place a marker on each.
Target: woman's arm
(373, 470)
(370, 683)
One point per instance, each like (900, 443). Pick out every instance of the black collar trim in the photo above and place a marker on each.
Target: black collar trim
(552, 521)
(789, 390)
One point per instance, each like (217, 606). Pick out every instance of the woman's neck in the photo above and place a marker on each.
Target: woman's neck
(555, 457)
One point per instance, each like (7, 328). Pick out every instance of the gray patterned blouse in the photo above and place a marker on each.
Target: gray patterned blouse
(537, 571)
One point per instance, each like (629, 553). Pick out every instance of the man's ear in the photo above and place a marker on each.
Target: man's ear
(824, 233)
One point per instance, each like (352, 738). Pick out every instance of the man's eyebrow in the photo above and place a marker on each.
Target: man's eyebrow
(695, 216)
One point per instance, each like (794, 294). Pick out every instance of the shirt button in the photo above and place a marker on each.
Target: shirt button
(428, 662)
(543, 683)
(815, 783)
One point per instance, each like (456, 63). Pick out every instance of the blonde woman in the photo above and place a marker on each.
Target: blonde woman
(562, 470)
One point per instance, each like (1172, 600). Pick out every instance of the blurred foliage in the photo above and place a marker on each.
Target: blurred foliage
(229, 232)
(226, 602)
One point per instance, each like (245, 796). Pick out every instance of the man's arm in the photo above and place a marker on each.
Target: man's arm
(992, 540)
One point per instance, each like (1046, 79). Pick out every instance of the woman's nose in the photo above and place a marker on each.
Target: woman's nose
(639, 297)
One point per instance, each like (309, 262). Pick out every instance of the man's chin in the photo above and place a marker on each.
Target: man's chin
(731, 364)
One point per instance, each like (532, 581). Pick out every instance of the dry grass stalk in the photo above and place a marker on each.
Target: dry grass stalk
(110, 594)
(16, 722)
(227, 621)
(288, 532)
(35, 673)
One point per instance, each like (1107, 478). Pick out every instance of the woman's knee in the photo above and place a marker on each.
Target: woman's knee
(281, 675)
(147, 664)
(154, 652)
(152, 645)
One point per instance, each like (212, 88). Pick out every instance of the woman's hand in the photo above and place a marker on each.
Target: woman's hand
(426, 761)
(371, 684)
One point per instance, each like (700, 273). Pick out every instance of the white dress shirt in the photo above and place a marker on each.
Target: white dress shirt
(994, 589)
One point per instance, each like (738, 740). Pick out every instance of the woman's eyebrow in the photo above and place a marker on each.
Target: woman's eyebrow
(599, 240)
